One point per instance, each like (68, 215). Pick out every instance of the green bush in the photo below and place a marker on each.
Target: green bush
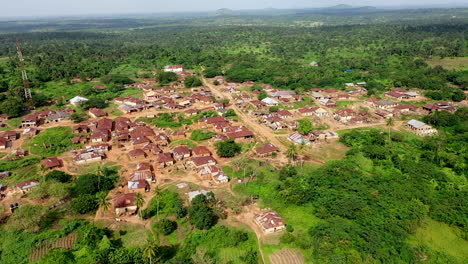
(83, 204)
(228, 148)
(58, 175)
(165, 226)
(200, 135)
(201, 214)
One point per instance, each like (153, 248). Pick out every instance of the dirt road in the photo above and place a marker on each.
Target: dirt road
(262, 132)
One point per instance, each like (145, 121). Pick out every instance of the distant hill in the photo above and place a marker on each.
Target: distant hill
(342, 6)
(226, 12)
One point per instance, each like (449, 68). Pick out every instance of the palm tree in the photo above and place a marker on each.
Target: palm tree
(292, 152)
(157, 194)
(103, 202)
(150, 250)
(140, 200)
(99, 173)
(390, 123)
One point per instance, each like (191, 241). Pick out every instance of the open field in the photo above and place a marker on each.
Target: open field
(441, 237)
(450, 63)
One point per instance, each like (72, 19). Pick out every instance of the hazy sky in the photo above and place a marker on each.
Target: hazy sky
(13, 8)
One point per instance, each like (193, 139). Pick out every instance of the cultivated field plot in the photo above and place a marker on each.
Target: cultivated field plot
(64, 242)
(287, 256)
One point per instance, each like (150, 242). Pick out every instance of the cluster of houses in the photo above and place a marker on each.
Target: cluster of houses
(314, 136)
(46, 117)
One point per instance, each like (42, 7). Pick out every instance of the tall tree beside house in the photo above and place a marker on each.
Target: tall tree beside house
(305, 126)
(103, 201)
(140, 200)
(292, 152)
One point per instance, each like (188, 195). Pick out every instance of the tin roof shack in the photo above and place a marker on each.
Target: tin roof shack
(26, 186)
(51, 163)
(421, 129)
(125, 204)
(270, 222)
(266, 150)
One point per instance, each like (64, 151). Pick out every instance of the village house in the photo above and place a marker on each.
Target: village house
(125, 204)
(51, 163)
(440, 106)
(270, 222)
(89, 157)
(213, 172)
(137, 185)
(385, 104)
(284, 114)
(96, 112)
(77, 100)
(56, 117)
(81, 129)
(299, 139)
(161, 139)
(384, 114)
(266, 150)
(344, 115)
(143, 173)
(100, 136)
(270, 101)
(30, 120)
(105, 124)
(165, 160)
(322, 135)
(328, 103)
(4, 144)
(198, 162)
(212, 121)
(181, 152)
(421, 129)
(98, 147)
(10, 135)
(243, 133)
(137, 154)
(174, 68)
(406, 108)
(26, 186)
(201, 151)
(151, 148)
(19, 153)
(30, 132)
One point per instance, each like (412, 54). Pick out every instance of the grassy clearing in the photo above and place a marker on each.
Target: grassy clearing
(133, 235)
(329, 151)
(442, 238)
(450, 63)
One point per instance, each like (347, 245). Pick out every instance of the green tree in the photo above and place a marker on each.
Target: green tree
(102, 201)
(165, 226)
(201, 214)
(58, 175)
(262, 95)
(84, 204)
(228, 148)
(305, 126)
(12, 106)
(140, 200)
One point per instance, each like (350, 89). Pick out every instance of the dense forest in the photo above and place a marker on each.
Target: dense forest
(382, 55)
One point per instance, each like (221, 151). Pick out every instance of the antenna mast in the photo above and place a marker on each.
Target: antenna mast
(24, 75)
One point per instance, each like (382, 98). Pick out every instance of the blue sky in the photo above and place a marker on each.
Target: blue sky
(13, 8)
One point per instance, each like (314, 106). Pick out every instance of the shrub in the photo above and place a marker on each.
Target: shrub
(84, 204)
(201, 214)
(165, 226)
(228, 148)
(58, 175)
